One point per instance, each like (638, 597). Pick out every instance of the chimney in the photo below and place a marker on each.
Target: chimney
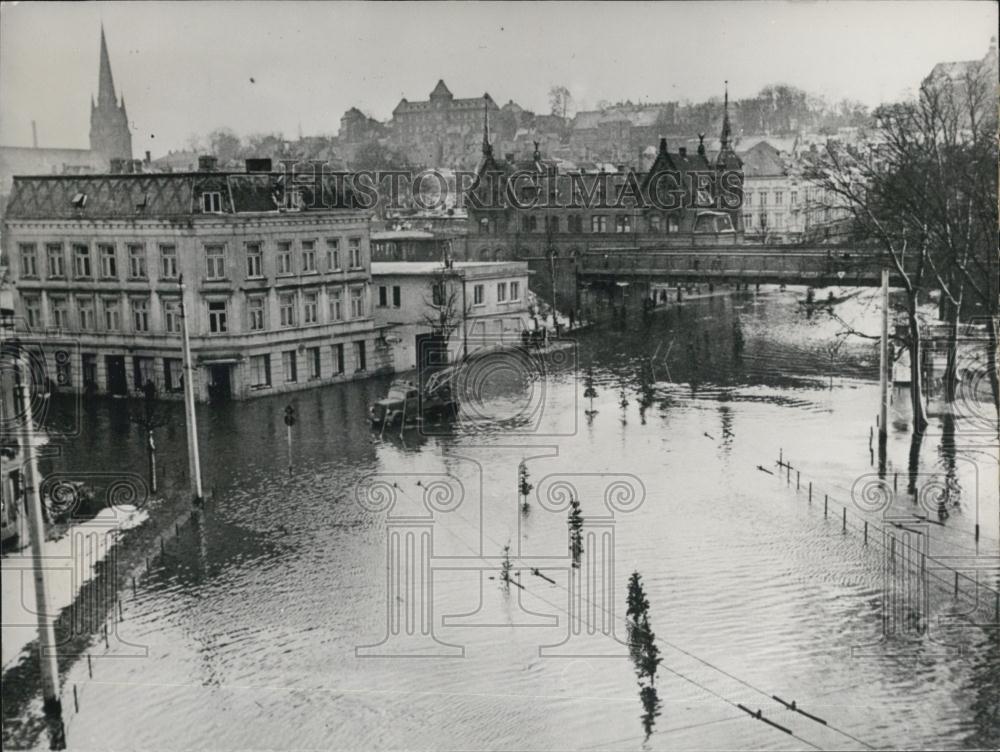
(34, 135)
(207, 163)
(258, 165)
(149, 157)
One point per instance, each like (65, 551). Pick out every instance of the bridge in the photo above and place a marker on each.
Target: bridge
(818, 266)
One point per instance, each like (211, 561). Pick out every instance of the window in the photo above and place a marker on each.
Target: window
(763, 198)
(338, 359)
(437, 293)
(484, 226)
(255, 310)
(255, 266)
(655, 223)
(168, 262)
(623, 223)
(748, 198)
(575, 223)
(332, 255)
(211, 202)
(552, 224)
(57, 263)
(81, 261)
(173, 374)
(85, 312)
(286, 308)
(29, 260)
(357, 302)
(32, 311)
(672, 225)
(794, 198)
(284, 257)
(308, 257)
(172, 315)
(290, 366)
(336, 304)
(501, 292)
(89, 370)
(598, 223)
(60, 314)
(478, 295)
(748, 221)
(312, 358)
(112, 314)
(515, 291)
(354, 248)
(216, 256)
(260, 371)
(136, 261)
(140, 314)
(217, 317)
(396, 296)
(310, 308)
(360, 356)
(142, 372)
(777, 197)
(109, 262)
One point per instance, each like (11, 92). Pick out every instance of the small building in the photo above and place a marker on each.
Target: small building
(471, 305)
(276, 289)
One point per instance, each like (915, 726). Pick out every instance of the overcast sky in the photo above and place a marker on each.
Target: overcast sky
(272, 66)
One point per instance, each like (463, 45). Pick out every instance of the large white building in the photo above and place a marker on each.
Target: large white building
(474, 305)
(276, 295)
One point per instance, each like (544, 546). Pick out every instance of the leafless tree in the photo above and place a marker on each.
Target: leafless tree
(446, 307)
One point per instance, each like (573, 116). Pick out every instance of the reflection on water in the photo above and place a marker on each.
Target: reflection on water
(253, 615)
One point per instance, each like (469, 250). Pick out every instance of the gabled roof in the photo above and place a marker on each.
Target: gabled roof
(441, 90)
(761, 160)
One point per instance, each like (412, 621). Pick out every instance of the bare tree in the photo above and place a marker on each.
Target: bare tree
(446, 307)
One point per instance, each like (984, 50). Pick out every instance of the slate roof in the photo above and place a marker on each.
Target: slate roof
(156, 195)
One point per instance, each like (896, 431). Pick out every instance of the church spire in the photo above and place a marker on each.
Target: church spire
(727, 131)
(105, 81)
(487, 146)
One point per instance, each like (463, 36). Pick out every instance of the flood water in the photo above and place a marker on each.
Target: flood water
(245, 633)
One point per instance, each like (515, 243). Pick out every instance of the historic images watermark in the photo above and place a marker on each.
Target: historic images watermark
(314, 185)
(930, 595)
(583, 575)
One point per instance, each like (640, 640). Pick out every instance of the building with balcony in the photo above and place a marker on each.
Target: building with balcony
(471, 306)
(276, 294)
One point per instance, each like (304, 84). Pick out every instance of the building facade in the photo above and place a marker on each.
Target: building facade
(476, 306)
(276, 297)
(774, 197)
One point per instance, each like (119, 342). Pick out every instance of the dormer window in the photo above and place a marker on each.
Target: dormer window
(79, 200)
(212, 202)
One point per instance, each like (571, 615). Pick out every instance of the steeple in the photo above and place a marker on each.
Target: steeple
(109, 127)
(487, 146)
(727, 158)
(105, 81)
(727, 131)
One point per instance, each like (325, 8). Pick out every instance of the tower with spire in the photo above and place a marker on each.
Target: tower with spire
(109, 131)
(727, 158)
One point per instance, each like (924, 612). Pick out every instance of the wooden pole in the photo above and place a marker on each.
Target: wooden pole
(194, 459)
(36, 529)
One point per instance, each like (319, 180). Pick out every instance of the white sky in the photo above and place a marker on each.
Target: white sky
(185, 67)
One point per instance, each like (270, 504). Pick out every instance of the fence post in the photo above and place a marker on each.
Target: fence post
(810, 490)
(866, 532)
(826, 500)
(798, 477)
(844, 526)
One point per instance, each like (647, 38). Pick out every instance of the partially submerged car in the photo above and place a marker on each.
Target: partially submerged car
(406, 403)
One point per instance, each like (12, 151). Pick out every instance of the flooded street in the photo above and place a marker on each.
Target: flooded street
(356, 603)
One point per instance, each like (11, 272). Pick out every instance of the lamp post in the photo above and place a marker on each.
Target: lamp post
(36, 528)
(191, 418)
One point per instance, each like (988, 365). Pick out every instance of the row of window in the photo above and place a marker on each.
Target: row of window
(599, 223)
(104, 263)
(762, 198)
(293, 309)
(507, 292)
(144, 368)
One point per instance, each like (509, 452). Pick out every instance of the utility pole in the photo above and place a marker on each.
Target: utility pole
(289, 422)
(36, 527)
(194, 460)
(884, 365)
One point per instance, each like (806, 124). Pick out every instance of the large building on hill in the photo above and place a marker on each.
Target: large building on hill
(276, 295)
(110, 138)
(441, 130)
